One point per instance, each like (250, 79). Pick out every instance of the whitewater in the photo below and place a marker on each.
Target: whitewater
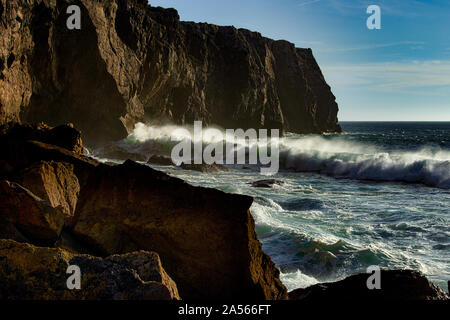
(378, 194)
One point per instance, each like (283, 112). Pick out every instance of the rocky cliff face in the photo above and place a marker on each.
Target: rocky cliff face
(28, 272)
(131, 62)
(52, 196)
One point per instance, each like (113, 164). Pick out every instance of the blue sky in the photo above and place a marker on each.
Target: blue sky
(398, 73)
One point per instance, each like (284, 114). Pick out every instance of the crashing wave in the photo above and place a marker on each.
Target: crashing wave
(336, 156)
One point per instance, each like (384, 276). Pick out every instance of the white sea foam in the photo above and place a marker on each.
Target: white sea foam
(338, 157)
(296, 280)
(341, 159)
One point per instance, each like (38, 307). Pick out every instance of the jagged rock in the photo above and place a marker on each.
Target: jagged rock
(205, 168)
(267, 183)
(9, 231)
(161, 160)
(205, 237)
(28, 213)
(26, 154)
(131, 62)
(115, 152)
(54, 182)
(395, 285)
(64, 136)
(29, 272)
(6, 170)
(148, 266)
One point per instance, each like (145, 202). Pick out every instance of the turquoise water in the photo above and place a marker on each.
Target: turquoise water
(378, 194)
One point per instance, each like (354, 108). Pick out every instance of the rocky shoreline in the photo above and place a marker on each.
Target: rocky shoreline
(137, 233)
(205, 238)
(134, 232)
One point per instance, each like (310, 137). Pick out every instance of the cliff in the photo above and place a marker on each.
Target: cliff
(132, 62)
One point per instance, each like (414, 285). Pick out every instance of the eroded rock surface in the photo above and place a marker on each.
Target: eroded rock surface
(29, 213)
(131, 62)
(406, 285)
(54, 182)
(37, 273)
(205, 237)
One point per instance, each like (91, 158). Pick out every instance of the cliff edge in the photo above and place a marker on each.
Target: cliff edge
(132, 62)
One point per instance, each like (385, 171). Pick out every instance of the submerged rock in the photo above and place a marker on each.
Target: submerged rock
(205, 168)
(395, 285)
(38, 273)
(267, 183)
(160, 160)
(116, 152)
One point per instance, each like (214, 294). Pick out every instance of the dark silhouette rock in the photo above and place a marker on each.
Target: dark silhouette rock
(37, 273)
(395, 285)
(135, 62)
(64, 136)
(205, 168)
(161, 160)
(29, 214)
(267, 183)
(205, 237)
(116, 152)
(6, 170)
(54, 182)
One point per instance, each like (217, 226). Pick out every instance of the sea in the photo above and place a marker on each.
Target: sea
(377, 194)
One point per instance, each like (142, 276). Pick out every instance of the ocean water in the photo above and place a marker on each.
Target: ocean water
(378, 194)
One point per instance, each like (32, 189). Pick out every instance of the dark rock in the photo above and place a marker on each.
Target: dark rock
(205, 168)
(395, 285)
(38, 273)
(6, 170)
(205, 237)
(9, 231)
(28, 153)
(54, 182)
(148, 266)
(115, 152)
(267, 183)
(64, 136)
(161, 160)
(29, 214)
(137, 62)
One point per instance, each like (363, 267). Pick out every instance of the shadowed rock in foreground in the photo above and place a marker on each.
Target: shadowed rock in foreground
(395, 285)
(131, 62)
(34, 273)
(205, 237)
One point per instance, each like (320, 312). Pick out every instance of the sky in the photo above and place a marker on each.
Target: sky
(400, 72)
